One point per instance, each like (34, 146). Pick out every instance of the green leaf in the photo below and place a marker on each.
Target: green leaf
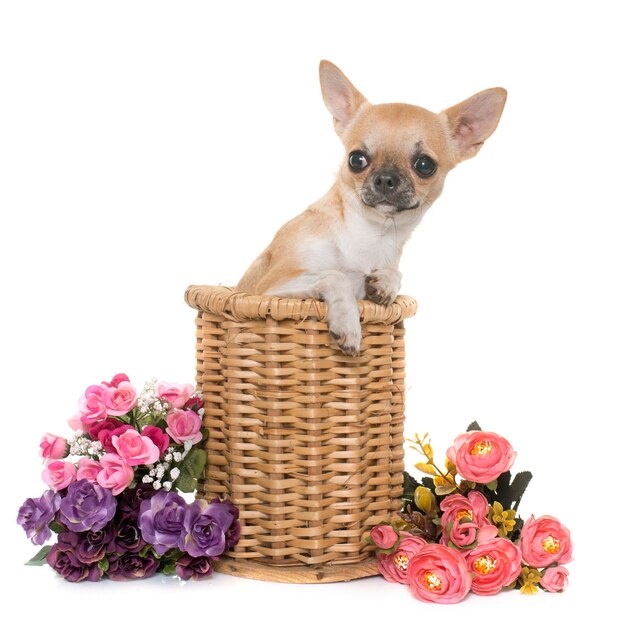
(40, 558)
(169, 569)
(191, 469)
(492, 485)
(103, 564)
(509, 494)
(409, 487)
(55, 527)
(473, 426)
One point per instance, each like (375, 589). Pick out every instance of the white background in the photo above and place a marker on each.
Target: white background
(146, 146)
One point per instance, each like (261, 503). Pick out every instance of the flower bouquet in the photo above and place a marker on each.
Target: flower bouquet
(459, 530)
(114, 489)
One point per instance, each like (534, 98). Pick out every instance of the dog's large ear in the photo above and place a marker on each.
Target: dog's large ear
(474, 119)
(341, 97)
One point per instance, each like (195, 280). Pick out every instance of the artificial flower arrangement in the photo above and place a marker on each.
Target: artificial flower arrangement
(113, 489)
(459, 530)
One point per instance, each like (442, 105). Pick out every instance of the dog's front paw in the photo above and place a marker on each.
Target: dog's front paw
(382, 286)
(345, 330)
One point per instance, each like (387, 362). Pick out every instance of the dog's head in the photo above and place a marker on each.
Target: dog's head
(398, 155)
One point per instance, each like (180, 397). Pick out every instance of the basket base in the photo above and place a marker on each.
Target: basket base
(298, 574)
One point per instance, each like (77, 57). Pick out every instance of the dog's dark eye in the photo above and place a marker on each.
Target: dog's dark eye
(357, 161)
(424, 166)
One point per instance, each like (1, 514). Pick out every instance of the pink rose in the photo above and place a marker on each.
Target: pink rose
(384, 536)
(91, 407)
(119, 400)
(463, 517)
(88, 469)
(480, 456)
(174, 394)
(135, 449)
(59, 474)
(157, 436)
(555, 579)
(52, 447)
(439, 574)
(115, 474)
(494, 564)
(183, 426)
(545, 541)
(394, 566)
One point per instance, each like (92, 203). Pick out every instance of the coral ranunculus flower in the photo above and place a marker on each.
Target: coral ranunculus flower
(494, 565)
(462, 518)
(384, 536)
(394, 566)
(439, 574)
(554, 579)
(481, 456)
(545, 541)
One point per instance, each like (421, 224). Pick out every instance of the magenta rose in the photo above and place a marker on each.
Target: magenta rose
(555, 579)
(88, 469)
(157, 436)
(439, 574)
(384, 536)
(119, 400)
(135, 449)
(184, 426)
(494, 564)
(174, 394)
(545, 541)
(115, 474)
(52, 447)
(462, 519)
(481, 456)
(59, 474)
(394, 566)
(117, 379)
(103, 432)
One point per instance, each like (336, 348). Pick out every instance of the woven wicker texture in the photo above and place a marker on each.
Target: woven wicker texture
(306, 441)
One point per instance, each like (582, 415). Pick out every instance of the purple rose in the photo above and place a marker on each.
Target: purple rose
(129, 501)
(63, 559)
(193, 567)
(35, 515)
(90, 546)
(233, 533)
(161, 520)
(205, 528)
(127, 537)
(87, 506)
(129, 566)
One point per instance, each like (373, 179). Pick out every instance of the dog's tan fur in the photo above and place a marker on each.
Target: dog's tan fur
(343, 248)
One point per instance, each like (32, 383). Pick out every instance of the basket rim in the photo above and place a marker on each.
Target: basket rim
(225, 301)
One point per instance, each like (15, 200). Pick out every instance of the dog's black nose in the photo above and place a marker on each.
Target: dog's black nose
(386, 181)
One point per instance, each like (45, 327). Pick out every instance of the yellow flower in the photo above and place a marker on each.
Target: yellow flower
(530, 578)
(503, 520)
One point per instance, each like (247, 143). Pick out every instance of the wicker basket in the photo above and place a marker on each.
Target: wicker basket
(306, 441)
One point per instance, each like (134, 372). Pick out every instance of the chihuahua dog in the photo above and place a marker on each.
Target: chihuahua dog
(347, 245)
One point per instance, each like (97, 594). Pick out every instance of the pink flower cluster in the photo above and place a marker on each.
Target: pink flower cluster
(469, 552)
(441, 573)
(105, 416)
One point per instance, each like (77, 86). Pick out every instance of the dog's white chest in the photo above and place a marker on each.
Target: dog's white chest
(357, 245)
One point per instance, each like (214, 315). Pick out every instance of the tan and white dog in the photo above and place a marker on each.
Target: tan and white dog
(347, 245)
